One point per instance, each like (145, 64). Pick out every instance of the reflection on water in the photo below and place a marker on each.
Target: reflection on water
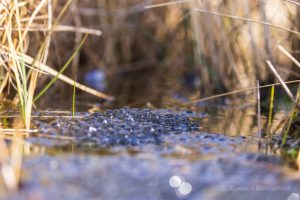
(231, 122)
(13, 147)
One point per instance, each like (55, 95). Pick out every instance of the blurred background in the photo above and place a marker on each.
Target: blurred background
(173, 52)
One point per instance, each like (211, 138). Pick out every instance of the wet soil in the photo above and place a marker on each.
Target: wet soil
(149, 154)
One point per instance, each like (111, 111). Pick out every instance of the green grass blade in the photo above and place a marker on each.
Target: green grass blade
(271, 111)
(44, 90)
(291, 119)
(293, 115)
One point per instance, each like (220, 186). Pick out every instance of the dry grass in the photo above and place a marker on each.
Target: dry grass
(28, 27)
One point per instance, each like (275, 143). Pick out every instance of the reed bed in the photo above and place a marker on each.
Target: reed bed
(222, 45)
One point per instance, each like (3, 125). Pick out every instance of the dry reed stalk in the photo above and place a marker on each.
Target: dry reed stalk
(293, 2)
(59, 28)
(239, 91)
(247, 19)
(292, 58)
(168, 4)
(287, 90)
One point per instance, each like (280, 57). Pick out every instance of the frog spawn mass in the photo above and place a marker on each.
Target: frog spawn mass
(124, 126)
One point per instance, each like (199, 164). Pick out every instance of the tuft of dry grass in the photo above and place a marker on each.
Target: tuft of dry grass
(27, 26)
(17, 18)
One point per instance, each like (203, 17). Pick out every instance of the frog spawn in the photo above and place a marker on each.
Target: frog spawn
(126, 126)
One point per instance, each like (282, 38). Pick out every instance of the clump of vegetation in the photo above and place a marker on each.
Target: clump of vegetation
(17, 20)
(27, 29)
